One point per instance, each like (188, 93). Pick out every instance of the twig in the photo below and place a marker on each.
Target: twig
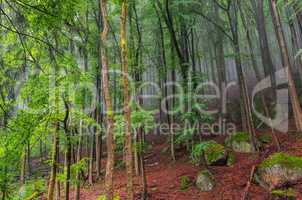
(248, 185)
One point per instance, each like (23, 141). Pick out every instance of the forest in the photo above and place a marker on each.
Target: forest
(150, 99)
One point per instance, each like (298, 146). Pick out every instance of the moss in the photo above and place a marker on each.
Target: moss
(265, 139)
(239, 137)
(231, 159)
(290, 193)
(213, 152)
(103, 197)
(206, 173)
(240, 142)
(184, 183)
(282, 159)
(120, 164)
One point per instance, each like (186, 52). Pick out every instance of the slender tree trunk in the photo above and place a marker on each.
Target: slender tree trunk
(53, 175)
(108, 103)
(78, 157)
(142, 165)
(55, 145)
(286, 64)
(91, 160)
(23, 168)
(99, 100)
(98, 151)
(172, 131)
(134, 65)
(220, 62)
(245, 100)
(67, 153)
(127, 105)
(28, 159)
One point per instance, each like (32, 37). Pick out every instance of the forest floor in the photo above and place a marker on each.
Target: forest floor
(163, 175)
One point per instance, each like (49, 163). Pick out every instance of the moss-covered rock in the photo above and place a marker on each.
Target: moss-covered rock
(240, 142)
(289, 194)
(278, 170)
(205, 181)
(214, 153)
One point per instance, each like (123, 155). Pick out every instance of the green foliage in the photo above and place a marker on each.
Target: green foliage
(139, 119)
(103, 197)
(211, 150)
(184, 183)
(238, 137)
(30, 188)
(231, 159)
(265, 138)
(183, 136)
(191, 120)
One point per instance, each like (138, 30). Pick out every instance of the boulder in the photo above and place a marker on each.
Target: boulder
(240, 142)
(205, 181)
(278, 170)
(214, 153)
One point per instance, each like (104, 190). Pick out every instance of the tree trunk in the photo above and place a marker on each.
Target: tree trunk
(127, 104)
(245, 100)
(58, 190)
(108, 103)
(23, 168)
(53, 175)
(78, 157)
(220, 62)
(142, 165)
(172, 131)
(67, 153)
(99, 100)
(91, 160)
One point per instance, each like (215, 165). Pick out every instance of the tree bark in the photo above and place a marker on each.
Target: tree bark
(220, 62)
(78, 157)
(127, 105)
(91, 159)
(56, 142)
(53, 175)
(68, 152)
(108, 103)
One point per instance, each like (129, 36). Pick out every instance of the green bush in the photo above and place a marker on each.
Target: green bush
(184, 183)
